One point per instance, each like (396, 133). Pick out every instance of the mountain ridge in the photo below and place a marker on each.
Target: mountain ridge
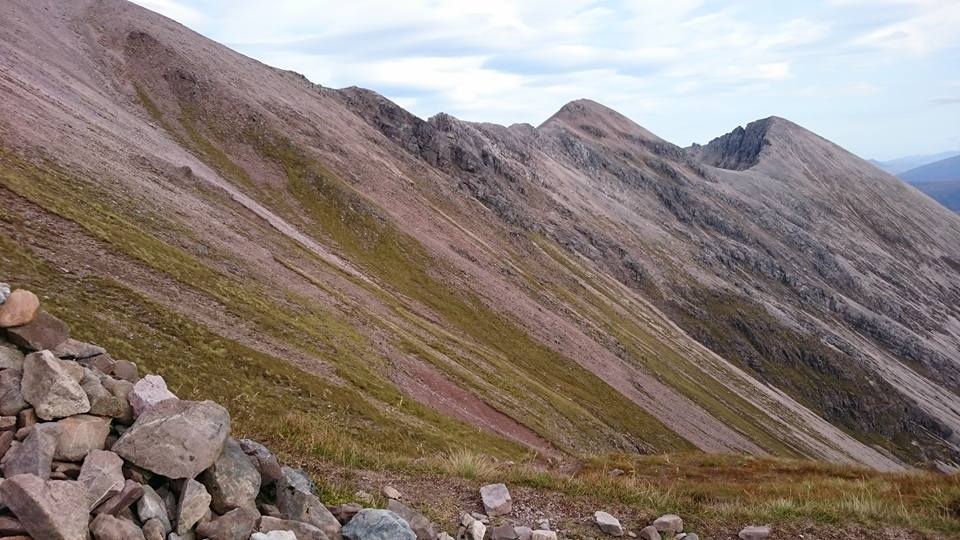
(518, 269)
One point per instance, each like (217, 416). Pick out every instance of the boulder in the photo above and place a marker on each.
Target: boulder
(80, 434)
(101, 474)
(151, 506)
(670, 524)
(375, 524)
(235, 524)
(44, 332)
(107, 527)
(47, 509)
(543, 535)
(153, 530)
(608, 523)
(296, 502)
(496, 500)
(345, 512)
(523, 532)
(263, 459)
(147, 392)
(11, 526)
(126, 370)
(421, 526)
(176, 438)
(194, 503)
(4, 292)
(119, 502)
(303, 531)
(72, 349)
(232, 480)
(10, 357)
(20, 308)
(11, 400)
(50, 388)
(6, 440)
(650, 533)
(34, 455)
(755, 532)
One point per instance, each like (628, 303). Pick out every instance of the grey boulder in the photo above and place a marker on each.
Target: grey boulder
(232, 480)
(51, 387)
(102, 475)
(374, 524)
(175, 438)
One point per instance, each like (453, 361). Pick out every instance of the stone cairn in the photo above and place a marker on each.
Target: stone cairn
(90, 449)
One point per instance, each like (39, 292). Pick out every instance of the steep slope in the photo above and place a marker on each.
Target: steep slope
(575, 288)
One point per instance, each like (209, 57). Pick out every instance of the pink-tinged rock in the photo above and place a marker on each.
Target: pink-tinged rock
(232, 480)
(20, 308)
(194, 503)
(237, 523)
(176, 438)
(107, 527)
(48, 509)
(34, 455)
(51, 388)
(131, 493)
(754, 532)
(72, 349)
(148, 392)
(79, 435)
(44, 332)
(496, 500)
(11, 399)
(102, 475)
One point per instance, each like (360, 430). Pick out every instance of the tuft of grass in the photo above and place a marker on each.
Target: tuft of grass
(467, 464)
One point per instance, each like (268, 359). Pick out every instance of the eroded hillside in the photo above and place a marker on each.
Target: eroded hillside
(316, 256)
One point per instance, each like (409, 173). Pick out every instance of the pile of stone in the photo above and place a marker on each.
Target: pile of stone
(90, 449)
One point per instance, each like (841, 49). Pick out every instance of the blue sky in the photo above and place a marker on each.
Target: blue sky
(880, 77)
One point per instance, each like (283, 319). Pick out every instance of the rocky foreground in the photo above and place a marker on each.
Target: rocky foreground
(91, 449)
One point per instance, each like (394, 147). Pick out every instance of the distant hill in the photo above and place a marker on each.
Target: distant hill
(906, 163)
(940, 180)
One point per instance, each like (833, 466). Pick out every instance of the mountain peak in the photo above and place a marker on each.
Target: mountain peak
(595, 119)
(741, 148)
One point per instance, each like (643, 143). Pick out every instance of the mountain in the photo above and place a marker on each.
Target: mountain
(940, 180)
(904, 164)
(945, 170)
(318, 258)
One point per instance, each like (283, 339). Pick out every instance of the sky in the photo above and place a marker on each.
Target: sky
(879, 77)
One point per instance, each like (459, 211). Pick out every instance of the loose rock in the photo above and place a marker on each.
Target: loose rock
(34, 455)
(543, 535)
(129, 494)
(20, 308)
(650, 533)
(608, 523)
(51, 509)
(264, 460)
(275, 535)
(44, 332)
(10, 357)
(80, 434)
(107, 527)
(232, 480)
(102, 476)
(151, 507)
(374, 524)
(148, 392)
(296, 502)
(72, 349)
(153, 530)
(391, 492)
(421, 526)
(670, 523)
(50, 388)
(194, 504)
(496, 500)
(175, 438)
(237, 523)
